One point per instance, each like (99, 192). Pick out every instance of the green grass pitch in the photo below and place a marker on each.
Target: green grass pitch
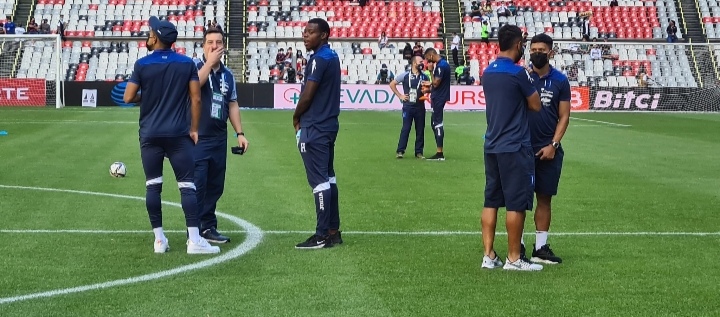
(629, 181)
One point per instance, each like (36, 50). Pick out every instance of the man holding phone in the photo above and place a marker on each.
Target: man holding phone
(413, 106)
(219, 103)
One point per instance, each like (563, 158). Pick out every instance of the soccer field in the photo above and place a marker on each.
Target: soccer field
(635, 223)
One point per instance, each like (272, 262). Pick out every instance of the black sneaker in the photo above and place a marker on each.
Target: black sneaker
(399, 155)
(315, 242)
(336, 238)
(545, 255)
(439, 156)
(522, 253)
(212, 235)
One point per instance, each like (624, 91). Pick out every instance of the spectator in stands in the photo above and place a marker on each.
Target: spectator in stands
(2, 28)
(32, 27)
(503, 10)
(513, 10)
(595, 53)
(289, 74)
(487, 9)
(475, 9)
(485, 32)
(301, 63)
(45, 27)
(454, 47)
(586, 27)
(614, 3)
(642, 79)
(216, 25)
(289, 55)
(385, 76)
(194, 55)
(280, 57)
(418, 50)
(61, 27)
(382, 40)
(524, 38)
(9, 26)
(465, 78)
(672, 32)
(407, 52)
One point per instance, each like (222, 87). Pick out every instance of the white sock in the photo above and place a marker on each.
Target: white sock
(540, 239)
(159, 233)
(194, 234)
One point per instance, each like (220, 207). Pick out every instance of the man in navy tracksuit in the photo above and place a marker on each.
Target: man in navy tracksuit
(219, 103)
(169, 84)
(413, 106)
(439, 96)
(316, 125)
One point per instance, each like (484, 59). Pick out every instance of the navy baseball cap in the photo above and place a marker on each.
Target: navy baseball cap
(164, 30)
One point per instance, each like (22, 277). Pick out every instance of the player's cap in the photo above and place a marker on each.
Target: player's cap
(164, 30)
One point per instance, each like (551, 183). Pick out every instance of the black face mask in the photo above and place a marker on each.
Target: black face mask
(420, 67)
(538, 59)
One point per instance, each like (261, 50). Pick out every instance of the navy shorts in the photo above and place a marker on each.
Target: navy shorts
(317, 149)
(547, 174)
(510, 180)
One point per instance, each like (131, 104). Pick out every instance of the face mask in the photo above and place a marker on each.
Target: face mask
(420, 67)
(538, 59)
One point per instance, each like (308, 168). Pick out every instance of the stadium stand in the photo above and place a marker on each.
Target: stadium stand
(106, 54)
(562, 20)
(617, 65)
(361, 59)
(710, 14)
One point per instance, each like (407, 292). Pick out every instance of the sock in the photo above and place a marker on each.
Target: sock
(323, 201)
(153, 204)
(194, 234)
(188, 200)
(159, 233)
(334, 221)
(540, 239)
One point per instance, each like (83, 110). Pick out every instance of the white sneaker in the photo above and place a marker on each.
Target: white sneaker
(488, 263)
(202, 247)
(161, 245)
(521, 265)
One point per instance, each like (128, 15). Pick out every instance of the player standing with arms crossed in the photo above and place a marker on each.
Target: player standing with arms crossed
(509, 159)
(219, 103)
(547, 128)
(316, 126)
(169, 84)
(413, 106)
(439, 96)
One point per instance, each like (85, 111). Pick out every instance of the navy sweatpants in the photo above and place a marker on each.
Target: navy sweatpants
(317, 149)
(410, 115)
(436, 119)
(179, 150)
(210, 166)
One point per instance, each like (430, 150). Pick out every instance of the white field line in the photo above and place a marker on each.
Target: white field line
(253, 238)
(399, 233)
(603, 122)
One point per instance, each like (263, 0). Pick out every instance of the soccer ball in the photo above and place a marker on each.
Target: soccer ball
(118, 169)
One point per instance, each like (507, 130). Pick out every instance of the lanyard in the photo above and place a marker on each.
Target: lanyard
(223, 86)
(412, 76)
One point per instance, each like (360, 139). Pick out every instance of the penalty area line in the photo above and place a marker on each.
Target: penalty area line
(398, 233)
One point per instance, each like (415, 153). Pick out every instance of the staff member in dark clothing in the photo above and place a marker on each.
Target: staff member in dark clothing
(316, 126)
(169, 84)
(413, 106)
(219, 103)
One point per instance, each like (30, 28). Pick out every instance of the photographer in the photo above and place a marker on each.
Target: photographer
(385, 76)
(289, 73)
(466, 78)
